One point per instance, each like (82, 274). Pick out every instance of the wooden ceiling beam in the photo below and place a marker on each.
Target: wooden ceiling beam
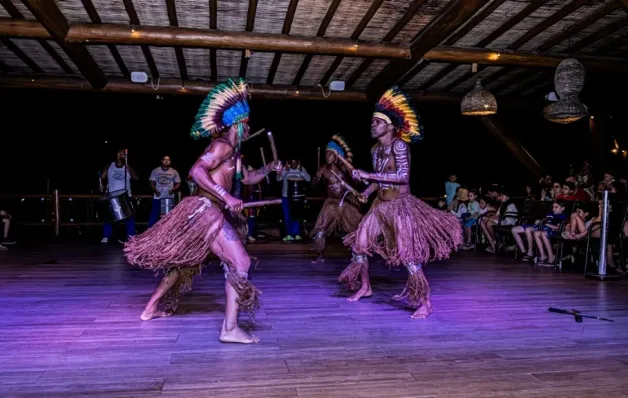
(178, 51)
(135, 21)
(287, 25)
(51, 17)
(494, 35)
(573, 30)
(250, 24)
(455, 55)
(15, 13)
(390, 36)
(454, 14)
(169, 36)
(354, 36)
(21, 55)
(451, 40)
(321, 32)
(95, 18)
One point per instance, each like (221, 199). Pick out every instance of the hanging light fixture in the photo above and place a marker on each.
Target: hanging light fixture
(478, 102)
(568, 82)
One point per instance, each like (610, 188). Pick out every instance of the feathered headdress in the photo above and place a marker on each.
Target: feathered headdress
(339, 146)
(225, 105)
(395, 107)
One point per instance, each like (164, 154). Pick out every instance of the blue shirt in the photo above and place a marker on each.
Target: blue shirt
(450, 190)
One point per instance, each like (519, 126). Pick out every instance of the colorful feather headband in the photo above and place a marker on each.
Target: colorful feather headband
(339, 146)
(395, 107)
(225, 105)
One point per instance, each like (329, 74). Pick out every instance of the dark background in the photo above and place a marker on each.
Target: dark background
(68, 137)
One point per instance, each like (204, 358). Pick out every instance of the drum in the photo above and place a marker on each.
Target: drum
(166, 206)
(296, 190)
(119, 204)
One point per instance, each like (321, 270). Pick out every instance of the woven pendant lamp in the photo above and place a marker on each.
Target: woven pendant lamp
(478, 102)
(568, 82)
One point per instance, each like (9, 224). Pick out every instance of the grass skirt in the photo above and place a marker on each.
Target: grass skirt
(181, 241)
(406, 231)
(334, 219)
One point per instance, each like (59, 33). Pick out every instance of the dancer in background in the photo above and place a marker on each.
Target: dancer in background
(182, 241)
(341, 210)
(399, 227)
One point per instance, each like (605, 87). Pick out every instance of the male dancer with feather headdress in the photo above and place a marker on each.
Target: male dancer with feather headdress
(399, 227)
(341, 210)
(200, 225)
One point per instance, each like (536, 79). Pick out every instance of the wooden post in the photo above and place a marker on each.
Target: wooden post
(56, 210)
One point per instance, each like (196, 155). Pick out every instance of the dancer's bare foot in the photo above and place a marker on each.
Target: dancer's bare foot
(237, 335)
(150, 314)
(363, 292)
(318, 260)
(423, 312)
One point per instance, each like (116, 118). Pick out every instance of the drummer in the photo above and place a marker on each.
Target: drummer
(114, 176)
(293, 171)
(165, 181)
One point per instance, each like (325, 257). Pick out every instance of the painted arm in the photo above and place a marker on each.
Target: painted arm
(370, 189)
(255, 176)
(401, 177)
(200, 173)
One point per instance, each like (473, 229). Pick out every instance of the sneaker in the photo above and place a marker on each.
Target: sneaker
(3, 247)
(297, 237)
(8, 242)
(288, 238)
(104, 240)
(511, 248)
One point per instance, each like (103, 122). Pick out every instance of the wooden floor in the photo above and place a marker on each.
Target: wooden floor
(69, 326)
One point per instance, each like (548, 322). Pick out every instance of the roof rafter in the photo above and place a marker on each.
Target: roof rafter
(375, 5)
(213, 24)
(532, 33)
(178, 51)
(392, 33)
(494, 35)
(250, 23)
(16, 14)
(95, 18)
(321, 32)
(135, 20)
(287, 24)
(455, 13)
(56, 24)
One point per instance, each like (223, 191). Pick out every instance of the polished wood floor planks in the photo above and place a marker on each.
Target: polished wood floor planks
(71, 327)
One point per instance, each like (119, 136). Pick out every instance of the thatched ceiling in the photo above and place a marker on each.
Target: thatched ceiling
(563, 27)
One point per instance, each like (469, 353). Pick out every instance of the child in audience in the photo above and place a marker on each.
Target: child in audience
(476, 209)
(541, 233)
(548, 230)
(442, 204)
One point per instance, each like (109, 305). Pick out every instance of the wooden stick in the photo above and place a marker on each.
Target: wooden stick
(264, 162)
(346, 185)
(273, 148)
(349, 166)
(318, 159)
(256, 133)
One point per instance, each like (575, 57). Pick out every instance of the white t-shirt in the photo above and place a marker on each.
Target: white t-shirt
(164, 181)
(115, 179)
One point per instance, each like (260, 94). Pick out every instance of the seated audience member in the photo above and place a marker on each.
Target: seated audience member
(549, 230)
(568, 191)
(552, 223)
(460, 209)
(488, 225)
(579, 222)
(579, 193)
(442, 205)
(476, 209)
